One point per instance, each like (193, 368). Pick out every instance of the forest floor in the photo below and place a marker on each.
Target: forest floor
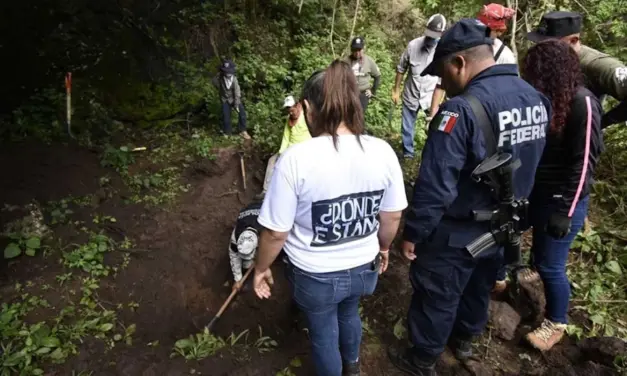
(168, 274)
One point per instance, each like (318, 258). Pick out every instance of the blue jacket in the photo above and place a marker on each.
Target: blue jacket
(455, 146)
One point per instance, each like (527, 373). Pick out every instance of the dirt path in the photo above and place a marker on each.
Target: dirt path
(176, 279)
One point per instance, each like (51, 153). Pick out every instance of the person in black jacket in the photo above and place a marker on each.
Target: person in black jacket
(244, 242)
(559, 200)
(231, 98)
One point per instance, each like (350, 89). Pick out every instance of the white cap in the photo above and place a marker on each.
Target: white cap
(247, 244)
(435, 26)
(289, 101)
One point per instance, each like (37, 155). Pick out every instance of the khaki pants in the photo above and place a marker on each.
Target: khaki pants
(269, 171)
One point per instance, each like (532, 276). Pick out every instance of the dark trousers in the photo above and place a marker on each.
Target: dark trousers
(364, 100)
(451, 290)
(226, 118)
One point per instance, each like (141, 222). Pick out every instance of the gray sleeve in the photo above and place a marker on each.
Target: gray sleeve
(236, 261)
(403, 64)
(216, 81)
(237, 92)
(374, 72)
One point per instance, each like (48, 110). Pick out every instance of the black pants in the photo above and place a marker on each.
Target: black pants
(226, 118)
(364, 101)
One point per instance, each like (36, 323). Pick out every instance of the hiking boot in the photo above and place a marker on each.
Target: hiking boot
(528, 275)
(244, 135)
(351, 369)
(499, 287)
(462, 348)
(404, 361)
(547, 335)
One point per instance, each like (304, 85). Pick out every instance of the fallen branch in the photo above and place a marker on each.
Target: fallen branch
(487, 346)
(332, 27)
(354, 23)
(514, 23)
(599, 301)
(589, 15)
(228, 193)
(135, 250)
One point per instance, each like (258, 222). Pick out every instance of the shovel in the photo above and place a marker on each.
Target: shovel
(215, 319)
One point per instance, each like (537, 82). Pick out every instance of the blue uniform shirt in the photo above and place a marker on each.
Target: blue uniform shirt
(455, 146)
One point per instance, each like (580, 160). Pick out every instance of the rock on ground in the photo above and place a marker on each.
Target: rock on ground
(504, 320)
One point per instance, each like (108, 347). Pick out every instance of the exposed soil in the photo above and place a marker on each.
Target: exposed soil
(179, 280)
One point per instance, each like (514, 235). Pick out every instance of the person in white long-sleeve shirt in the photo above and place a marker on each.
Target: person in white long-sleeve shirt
(244, 242)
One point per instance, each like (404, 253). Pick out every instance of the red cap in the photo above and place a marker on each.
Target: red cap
(494, 16)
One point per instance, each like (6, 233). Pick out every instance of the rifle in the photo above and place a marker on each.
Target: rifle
(616, 115)
(510, 219)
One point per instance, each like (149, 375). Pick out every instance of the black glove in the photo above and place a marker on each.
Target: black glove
(558, 226)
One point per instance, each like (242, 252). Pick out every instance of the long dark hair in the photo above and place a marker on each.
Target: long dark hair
(334, 98)
(552, 67)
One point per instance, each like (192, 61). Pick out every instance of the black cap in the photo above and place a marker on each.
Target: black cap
(465, 34)
(358, 43)
(556, 25)
(227, 66)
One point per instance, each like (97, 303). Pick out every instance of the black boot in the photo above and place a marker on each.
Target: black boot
(462, 348)
(351, 369)
(407, 363)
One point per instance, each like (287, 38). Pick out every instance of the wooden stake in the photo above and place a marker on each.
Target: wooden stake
(241, 160)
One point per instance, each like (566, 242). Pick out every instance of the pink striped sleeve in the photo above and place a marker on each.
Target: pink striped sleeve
(584, 170)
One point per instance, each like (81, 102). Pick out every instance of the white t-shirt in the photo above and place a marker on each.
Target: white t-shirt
(507, 56)
(329, 200)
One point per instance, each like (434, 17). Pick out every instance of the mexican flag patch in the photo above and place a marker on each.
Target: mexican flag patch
(445, 121)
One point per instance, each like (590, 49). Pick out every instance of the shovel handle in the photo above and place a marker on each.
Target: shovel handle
(228, 300)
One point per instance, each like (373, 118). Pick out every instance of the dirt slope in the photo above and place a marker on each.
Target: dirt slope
(178, 277)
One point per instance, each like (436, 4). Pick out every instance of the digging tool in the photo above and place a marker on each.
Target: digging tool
(68, 103)
(241, 162)
(215, 319)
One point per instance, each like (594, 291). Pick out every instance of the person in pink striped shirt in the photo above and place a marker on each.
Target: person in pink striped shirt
(559, 200)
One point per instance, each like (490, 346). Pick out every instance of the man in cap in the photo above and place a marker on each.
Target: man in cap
(604, 74)
(295, 131)
(420, 92)
(244, 241)
(495, 17)
(451, 287)
(364, 68)
(231, 98)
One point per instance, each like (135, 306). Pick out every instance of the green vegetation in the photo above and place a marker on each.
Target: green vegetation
(142, 99)
(28, 345)
(204, 344)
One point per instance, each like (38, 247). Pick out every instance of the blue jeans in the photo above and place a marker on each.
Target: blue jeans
(330, 301)
(226, 118)
(408, 120)
(550, 256)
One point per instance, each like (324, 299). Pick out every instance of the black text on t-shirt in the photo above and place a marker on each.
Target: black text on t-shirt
(345, 218)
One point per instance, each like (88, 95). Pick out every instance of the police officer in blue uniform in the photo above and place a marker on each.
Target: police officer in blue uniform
(451, 288)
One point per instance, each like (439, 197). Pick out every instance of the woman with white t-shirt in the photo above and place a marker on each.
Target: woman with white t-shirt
(334, 206)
